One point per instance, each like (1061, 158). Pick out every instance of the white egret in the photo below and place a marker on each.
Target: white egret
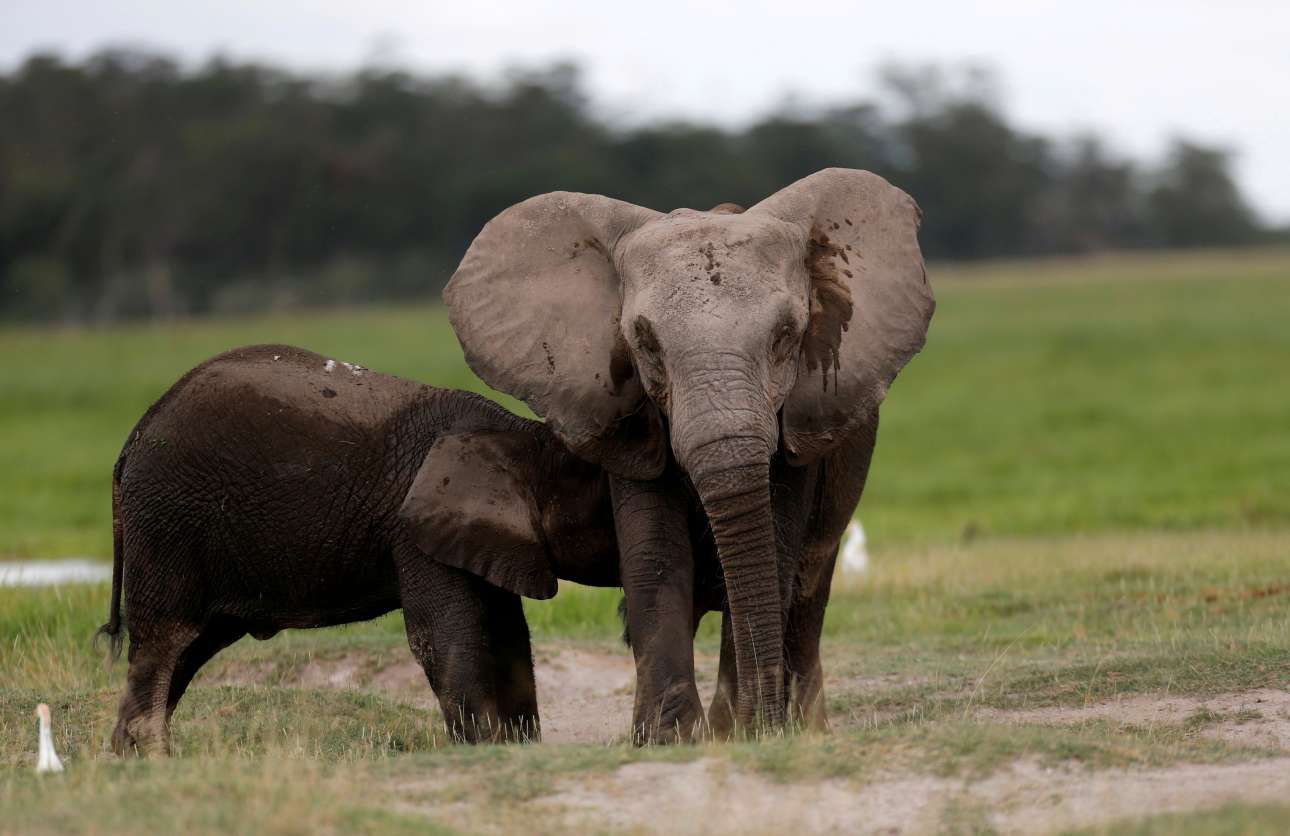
(855, 557)
(48, 760)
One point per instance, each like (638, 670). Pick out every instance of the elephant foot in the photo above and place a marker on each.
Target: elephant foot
(479, 721)
(474, 726)
(521, 730)
(806, 705)
(677, 716)
(123, 743)
(141, 737)
(721, 716)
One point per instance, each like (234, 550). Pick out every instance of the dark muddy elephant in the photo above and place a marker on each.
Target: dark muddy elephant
(272, 487)
(746, 352)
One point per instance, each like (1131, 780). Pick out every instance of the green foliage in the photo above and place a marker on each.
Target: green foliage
(136, 187)
(1053, 397)
(1228, 820)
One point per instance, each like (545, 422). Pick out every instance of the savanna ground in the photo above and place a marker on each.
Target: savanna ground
(1077, 616)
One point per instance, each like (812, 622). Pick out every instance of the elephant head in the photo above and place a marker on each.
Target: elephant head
(740, 332)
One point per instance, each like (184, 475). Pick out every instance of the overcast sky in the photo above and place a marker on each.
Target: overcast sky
(1134, 71)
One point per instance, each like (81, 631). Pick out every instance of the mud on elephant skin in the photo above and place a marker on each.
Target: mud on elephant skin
(725, 346)
(275, 488)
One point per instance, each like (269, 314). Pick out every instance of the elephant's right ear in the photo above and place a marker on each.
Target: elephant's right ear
(536, 305)
(471, 506)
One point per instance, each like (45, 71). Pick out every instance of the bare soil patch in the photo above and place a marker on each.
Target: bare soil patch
(1258, 718)
(711, 797)
(585, 696)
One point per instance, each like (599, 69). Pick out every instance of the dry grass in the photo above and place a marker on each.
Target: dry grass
(941, 664)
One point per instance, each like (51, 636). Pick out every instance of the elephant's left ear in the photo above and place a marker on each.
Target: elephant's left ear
(870, 302)
(536, 303)
(471, 506)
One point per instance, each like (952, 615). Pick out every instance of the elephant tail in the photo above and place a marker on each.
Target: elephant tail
(113, 627)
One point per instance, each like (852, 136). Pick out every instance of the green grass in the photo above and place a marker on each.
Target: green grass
(1082, 492)
(938, 633)
(1088, 400)
(1230, 820)
(1053, 397)
(68, 399)
(1019, 623)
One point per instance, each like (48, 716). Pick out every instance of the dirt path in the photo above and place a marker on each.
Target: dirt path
(586, 697)
(1258, 718)
(709, 796)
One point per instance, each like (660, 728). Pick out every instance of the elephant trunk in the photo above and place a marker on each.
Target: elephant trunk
(725, 445)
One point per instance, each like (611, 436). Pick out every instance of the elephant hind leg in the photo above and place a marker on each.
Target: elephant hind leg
(218, 634)
(805, 675)
(143, 716)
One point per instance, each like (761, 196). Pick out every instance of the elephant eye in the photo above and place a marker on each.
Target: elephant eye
(785, 342)
(645, 337)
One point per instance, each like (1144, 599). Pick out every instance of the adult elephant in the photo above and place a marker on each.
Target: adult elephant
(754, 347)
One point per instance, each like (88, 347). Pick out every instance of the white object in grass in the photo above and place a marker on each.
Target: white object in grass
(48, 760)
(49, 572)
(855, 557)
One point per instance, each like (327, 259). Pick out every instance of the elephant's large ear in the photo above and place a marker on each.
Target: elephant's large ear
(471, 506)
(536, 305)
(870, 301)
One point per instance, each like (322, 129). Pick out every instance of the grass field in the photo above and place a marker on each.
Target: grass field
(1050, 399)
(1077, 617)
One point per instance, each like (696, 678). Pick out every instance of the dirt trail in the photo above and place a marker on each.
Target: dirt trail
(1258, 718)
(711, 797)
(586, 697)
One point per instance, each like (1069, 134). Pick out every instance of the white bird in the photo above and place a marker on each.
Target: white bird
(48, 761)
(855, 557)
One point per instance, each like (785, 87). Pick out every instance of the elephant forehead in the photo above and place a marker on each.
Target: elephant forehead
(718, 255)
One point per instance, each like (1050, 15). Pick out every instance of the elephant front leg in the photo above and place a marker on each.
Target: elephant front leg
(657, 565)
(473, 645)
(805, 624)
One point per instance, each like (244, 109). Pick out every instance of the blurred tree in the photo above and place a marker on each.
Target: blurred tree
(132, 186)
(978, 179)
(1096, 202)
(1196, 202)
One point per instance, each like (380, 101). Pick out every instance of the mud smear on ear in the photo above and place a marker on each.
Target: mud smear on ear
(831, 306)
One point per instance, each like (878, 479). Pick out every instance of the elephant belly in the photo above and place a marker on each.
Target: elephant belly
(305, 583)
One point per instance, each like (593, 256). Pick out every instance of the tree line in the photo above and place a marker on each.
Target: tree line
(131, 185)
